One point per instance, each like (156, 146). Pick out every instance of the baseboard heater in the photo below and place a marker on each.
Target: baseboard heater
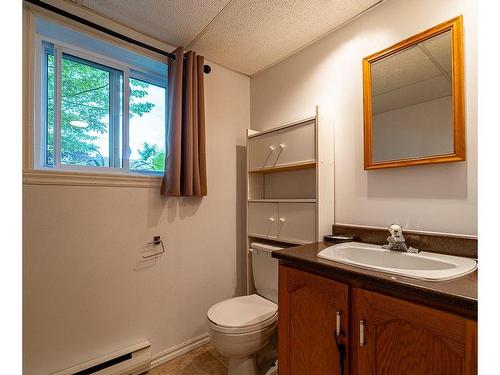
(132, 360)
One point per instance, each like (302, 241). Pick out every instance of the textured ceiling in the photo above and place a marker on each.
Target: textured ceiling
(175, 22)
(253, 34)
(243, 35)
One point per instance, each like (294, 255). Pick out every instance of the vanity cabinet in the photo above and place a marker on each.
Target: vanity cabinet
(308, 307)
(384, 335)
(401, 337)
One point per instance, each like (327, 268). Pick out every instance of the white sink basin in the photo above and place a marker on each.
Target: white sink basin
(425, 266)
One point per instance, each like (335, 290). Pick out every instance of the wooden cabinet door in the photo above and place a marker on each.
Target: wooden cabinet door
(297, 221)
(297, 144)
(403, 338)
(263, 151)
(263, 219)
(306, 323)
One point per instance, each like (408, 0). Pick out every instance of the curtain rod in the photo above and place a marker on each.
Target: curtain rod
(206, 68)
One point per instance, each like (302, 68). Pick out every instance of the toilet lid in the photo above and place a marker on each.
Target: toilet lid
(242, 312)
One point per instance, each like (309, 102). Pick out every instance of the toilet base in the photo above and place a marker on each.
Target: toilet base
(242, 366)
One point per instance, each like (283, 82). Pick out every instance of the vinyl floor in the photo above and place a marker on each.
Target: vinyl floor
(201, 361)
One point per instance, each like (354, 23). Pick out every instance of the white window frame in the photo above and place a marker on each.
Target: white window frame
(39, 146)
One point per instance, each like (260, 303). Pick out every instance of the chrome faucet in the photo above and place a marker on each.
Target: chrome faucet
(396, 241)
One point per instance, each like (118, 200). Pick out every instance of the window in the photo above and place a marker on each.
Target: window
(98, 113)
(146, 126)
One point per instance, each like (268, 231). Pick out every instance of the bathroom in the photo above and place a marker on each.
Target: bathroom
(127, 265)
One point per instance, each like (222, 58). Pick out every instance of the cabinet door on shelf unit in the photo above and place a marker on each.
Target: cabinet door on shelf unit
(394, 336)
(297, 144)
(263, 219)
(308, 306)
(297, 222)
(263, 151)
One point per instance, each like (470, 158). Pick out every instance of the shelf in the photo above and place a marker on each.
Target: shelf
(283, 200)
(289, 167)
(284, 126)
(282, 240)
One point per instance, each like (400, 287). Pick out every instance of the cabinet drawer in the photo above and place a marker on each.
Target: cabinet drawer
(296, 144)
(263, 219)
(263, 151)
(297, 222)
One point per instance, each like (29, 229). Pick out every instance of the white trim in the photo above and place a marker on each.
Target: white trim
(89, 57)
(83, 169)
(82, 53)
(39, 105)
(57, 106)
(126, 121)
(178, 350)
(30, 50)
(114, 119)
(408, 230)
(149, 77)
(98, 58)
(65, 178)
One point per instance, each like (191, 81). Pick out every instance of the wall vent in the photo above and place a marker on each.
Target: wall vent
(132, 360)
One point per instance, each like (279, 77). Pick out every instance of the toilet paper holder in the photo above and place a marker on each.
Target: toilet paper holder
(156, 241)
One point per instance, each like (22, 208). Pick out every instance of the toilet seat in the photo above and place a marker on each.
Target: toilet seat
(243, 330)
(242, 314)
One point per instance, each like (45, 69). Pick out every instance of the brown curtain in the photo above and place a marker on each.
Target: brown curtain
(185, 159)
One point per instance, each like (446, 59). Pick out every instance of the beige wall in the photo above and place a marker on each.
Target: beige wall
(86, 291)
(440, 198)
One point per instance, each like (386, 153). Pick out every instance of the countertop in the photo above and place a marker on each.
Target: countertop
(457, 295)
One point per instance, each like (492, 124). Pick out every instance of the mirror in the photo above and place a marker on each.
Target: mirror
(413, 100)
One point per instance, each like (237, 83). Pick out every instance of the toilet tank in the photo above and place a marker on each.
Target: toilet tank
(265, 270)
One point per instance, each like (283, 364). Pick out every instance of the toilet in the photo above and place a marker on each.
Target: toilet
(241, 326)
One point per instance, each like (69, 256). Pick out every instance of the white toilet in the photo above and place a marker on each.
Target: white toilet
(241, 326)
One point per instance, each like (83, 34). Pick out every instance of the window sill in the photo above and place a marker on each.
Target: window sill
(65, 178)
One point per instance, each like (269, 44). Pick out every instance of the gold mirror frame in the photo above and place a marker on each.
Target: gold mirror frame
(456, 30)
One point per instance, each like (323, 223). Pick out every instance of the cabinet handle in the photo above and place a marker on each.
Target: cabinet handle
(272, 148)
(337, 323)
(282, 219)
(282, 146)
(362, 324)
(271, 219)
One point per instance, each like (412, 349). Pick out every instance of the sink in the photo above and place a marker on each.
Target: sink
(423, 265)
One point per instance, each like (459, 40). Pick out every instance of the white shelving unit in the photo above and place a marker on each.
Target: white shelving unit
(290, 184)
